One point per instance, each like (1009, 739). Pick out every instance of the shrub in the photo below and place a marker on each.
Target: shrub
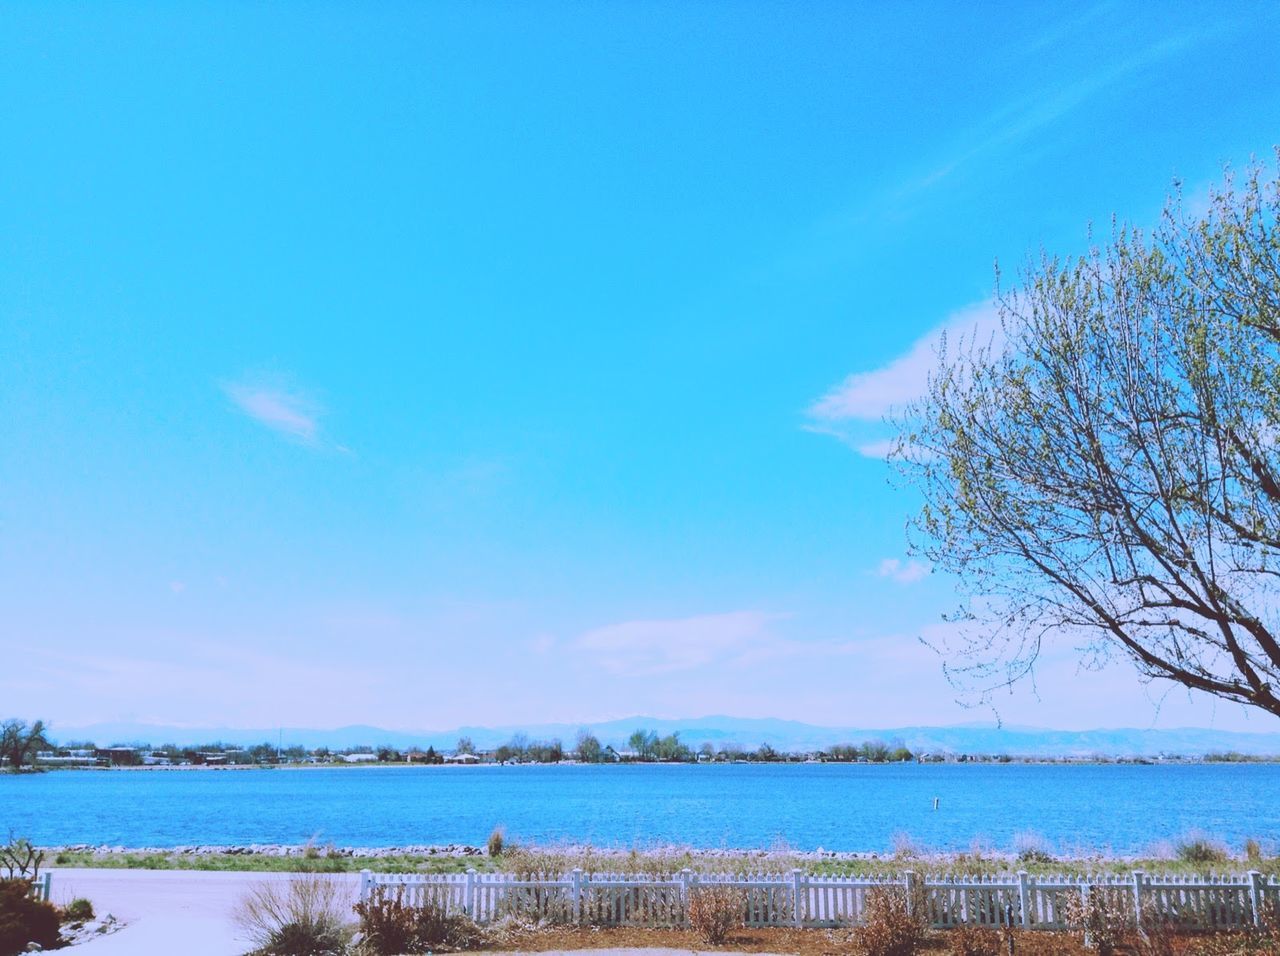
(1253, 851)
(1031, 848)
(1103, 916)
(496, 842)
(390, 927)
(715, 912)
(1200, 849)
(24, 920)
(894, 926)
(78, 910)
(968, 940)
(305, 916)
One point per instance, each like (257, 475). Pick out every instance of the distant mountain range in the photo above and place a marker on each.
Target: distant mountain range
(750, 733)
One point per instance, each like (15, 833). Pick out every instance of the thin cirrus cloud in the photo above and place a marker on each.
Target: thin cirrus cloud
(643, 648)
(1027, 117)
(854, 410)
(281, 410)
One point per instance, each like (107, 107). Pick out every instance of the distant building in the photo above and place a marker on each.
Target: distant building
(360, 758)
(119, 756)
(67, 758)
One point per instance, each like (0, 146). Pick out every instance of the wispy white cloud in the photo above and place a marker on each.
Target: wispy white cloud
(636, 648)
(282, 410)
(903, 572)
(866, 398)
(875, 449)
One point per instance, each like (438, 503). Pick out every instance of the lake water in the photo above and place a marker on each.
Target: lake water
(1125, 808)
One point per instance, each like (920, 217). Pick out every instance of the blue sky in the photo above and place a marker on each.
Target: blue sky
(421, 364)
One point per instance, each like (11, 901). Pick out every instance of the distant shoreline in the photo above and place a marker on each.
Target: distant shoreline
(1100, 761)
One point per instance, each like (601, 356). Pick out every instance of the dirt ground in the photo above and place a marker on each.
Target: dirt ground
(813, 942)
(802, 942)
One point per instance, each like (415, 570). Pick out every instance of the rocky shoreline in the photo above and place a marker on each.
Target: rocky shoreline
(463, 850)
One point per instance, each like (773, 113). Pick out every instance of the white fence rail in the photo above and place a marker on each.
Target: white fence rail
(41, 887)
(803, 900)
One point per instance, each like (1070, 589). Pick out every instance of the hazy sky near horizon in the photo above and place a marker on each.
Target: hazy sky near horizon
(429, 364)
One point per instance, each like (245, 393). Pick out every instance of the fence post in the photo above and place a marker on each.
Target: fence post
(366, 884)
(799, 897)
(687, 881)
(577, 894)
(1086, 895)
(1138, 880)
(46, 885)
(1255, 896)
(1024, 899)
(470, 893)
(911, 892)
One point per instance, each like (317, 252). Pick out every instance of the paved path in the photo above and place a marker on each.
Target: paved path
(167, 911)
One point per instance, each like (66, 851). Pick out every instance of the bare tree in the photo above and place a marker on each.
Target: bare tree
(1108, 466)
(20, 743)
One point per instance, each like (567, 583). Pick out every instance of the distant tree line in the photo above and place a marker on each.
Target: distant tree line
(872, 751)
(19, 743)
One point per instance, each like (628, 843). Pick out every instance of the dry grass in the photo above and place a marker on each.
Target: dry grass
(306, 916)
(496, 843)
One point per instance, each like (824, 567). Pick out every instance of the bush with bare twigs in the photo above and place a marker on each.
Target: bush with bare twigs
(715, 912)
(305, 916)
(1104, 915)
(1155, 935)
(894, 923)
(19, 859)
(389, 926)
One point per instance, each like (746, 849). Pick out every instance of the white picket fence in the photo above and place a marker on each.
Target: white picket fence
(802, 900)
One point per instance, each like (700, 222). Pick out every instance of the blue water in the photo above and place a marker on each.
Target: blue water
(1124, 808)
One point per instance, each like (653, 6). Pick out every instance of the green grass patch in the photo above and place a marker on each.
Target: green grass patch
(527, 862)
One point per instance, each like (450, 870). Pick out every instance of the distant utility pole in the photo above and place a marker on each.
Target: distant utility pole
(279, 744)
